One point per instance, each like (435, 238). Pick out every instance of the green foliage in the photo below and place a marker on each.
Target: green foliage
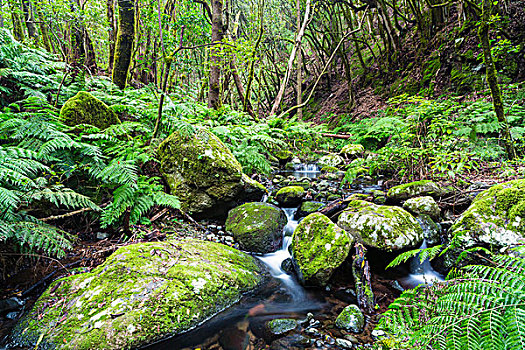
(478, 307)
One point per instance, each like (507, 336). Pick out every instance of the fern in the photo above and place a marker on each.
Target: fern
(483, 307)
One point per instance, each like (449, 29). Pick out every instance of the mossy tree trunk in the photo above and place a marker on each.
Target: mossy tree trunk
(362, 278)
(124, 44)
(110, 12)
(46, 40)
(18, 30)
(217, 34)
(492, 79)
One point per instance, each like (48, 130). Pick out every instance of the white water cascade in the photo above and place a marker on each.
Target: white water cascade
(275, 260)
(421, 272)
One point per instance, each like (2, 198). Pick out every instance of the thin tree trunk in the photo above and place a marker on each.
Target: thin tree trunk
(28, 16)
(362, 278)
(298, 39)
(492, 79)
(110, 12)
(217, 35)
(299, 85)
(124, 44)
(18, 30)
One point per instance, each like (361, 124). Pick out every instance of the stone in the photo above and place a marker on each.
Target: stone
(252, 189)
(379, 197)
(383, 227)
(142, 293)
(331, 160)
(308, 208)
(329, 169)
(496, 217)
(351, 319)
(318, 248)
(431, 230)
(290, 196)
(287, 266)
(345, 344)
(414, 189)
(423, 206)
(352, 150)
(257, 226)
(281, 326)
(83, 108)
(202, 172)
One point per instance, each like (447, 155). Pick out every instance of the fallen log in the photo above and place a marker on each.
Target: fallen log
(336, 136)
(362, 278)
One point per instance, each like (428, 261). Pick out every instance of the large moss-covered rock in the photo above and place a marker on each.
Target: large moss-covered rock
(379, 226)
(290, 196)
(351, 319)
(318, 248)
(423, 206)
(308, 208)
(352, 150)
(414, 189)
(142, 293)
(258, 227)
(252, 189)
(202, 172)
(496, 217)
(83, 108)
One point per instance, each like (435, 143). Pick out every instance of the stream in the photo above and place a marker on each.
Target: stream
(243, 325)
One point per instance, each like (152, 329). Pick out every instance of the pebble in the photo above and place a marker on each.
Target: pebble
(346, 344)
(102, 235)
(376, 333)
(351, 339)
(312, 331)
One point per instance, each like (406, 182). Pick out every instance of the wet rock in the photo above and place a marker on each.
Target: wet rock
(103, 235)
(290, 196)
(414, 189)
(83, 108)
(323, 185)
(329, 169)
(287, 266)
(202, 172)
(351, 319)
(10, 304)
(379, 197)
(291, 342)
(308, 208)
(431, 230)
(346, 295)
(280, 326)
(423, 205)
(345, 344)
(319, 247)
(252, 190)
(352, 339)
(379, 226)
(257, 226)
(234, 339)
(142, 293)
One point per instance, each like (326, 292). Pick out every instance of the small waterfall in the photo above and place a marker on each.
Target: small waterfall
(421, 272)
(275, 260)
(303, 170)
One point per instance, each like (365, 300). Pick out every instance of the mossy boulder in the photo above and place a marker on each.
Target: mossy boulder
(330, 160)
(414, 189)
(83, 108)
(280, 327)
(141, 294)
(258, 227)
(352, 150)
(308, 208)
(423, 206)
(351, 319)
(318, 248)
(496, 217)
(290, 196)
(383, 227)
(252, 190)
(202, 172)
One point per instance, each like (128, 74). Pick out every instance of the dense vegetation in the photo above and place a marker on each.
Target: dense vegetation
(431, 90)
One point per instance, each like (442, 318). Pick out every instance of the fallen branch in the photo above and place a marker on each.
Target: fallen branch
(336, 136)
(57, 217)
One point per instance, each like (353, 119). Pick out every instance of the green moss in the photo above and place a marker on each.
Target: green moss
(414, 189)
(423, 206)
(495, 217)
(351, 319)
(329, 169)
(310, 207)
(83, 108)
(200, 170)
(352, 149)
(380, 226)
(319, 247)
(142, 293)
(281, 326)
(257, 226)
(290, 195)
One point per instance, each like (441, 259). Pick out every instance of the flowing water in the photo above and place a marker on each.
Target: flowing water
(421, 272)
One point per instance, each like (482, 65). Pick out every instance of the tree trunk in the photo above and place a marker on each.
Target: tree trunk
(28, 16)
(298, 38)
(217, 35)
(110, 12)
(299, 83)
(492, 79)
(363, 286)
(124, 44)
(46, 40)
(18, 30)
